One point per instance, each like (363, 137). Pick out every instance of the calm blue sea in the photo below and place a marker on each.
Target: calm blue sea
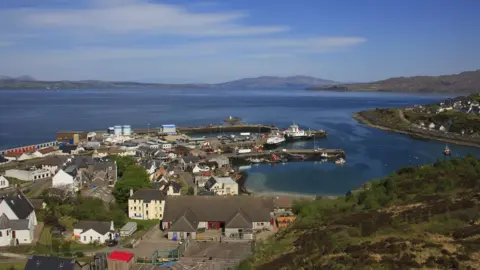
(33, 116)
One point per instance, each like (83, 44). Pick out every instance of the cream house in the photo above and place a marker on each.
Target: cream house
(222, 185)
(146, 204)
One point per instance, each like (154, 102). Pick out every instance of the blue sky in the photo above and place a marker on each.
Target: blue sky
(202, 41)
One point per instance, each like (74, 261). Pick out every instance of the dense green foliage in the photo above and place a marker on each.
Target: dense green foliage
(134, 177)
(122, 164)
(418, 217)
(83, 208)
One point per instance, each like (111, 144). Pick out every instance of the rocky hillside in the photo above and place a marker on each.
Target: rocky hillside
(418, 217)
(465, 82)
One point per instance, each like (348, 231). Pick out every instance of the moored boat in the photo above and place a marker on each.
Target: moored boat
(294, 133)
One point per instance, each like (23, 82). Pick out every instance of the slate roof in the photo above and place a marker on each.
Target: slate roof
(186, 222)
(19, 204)
(14, 224)
(147, 194)
(49, 263)
(190, 159)
(19, 224)
(239, 220)
(102, 227)
(218, 208)
(53, 161)
(67, 148)
(3, 159)
(4, 222)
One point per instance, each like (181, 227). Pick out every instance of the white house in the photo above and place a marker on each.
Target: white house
(431, 126)
(28, 175)
(64, 180)
(166, 146)
(200, 168)
(222, 185)
(17, 220)
(3, 182)
(173, 189)
(442, 128)
(94, 231)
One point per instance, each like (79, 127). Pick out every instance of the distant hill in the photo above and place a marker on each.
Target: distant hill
(265, 82)
(467, 82)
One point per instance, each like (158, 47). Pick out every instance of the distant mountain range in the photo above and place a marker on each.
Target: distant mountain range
(265, 82)
(465, 82)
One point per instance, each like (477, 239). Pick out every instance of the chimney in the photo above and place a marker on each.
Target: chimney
(131, 192)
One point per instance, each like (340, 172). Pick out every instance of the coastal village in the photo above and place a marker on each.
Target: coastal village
(155, 198)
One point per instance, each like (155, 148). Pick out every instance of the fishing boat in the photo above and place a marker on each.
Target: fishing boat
(447, 151)
(294, 133)
(275, 140)
(255, 160)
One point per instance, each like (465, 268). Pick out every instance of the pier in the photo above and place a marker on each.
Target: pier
(258, 128)
(286, 154)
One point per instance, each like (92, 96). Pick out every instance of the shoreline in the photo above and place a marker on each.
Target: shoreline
(364, 121)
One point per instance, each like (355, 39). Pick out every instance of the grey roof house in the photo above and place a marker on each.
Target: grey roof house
(236, 216)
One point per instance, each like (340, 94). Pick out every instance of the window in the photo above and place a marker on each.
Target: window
(84, 238)
(8, 232)
(99, 238)
(147, 213)
(0, 234)
(146, 205)
(91, 238)
(134, 208)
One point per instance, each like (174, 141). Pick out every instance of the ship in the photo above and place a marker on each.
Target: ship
(447, 151)
(294, 133)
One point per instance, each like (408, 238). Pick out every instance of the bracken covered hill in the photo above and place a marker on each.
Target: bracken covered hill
(465, 82)
(418, 217)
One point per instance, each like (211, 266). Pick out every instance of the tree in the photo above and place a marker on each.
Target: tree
(134, 177)
(122, 164)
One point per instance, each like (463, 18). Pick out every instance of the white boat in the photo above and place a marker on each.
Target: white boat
(324, 155)
(340, 161)
(295, 133)
(275, 140)
(256, 160)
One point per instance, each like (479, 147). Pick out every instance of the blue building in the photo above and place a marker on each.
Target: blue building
(169, 129)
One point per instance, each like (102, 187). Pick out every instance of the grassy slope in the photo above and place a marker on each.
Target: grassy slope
(417, 217)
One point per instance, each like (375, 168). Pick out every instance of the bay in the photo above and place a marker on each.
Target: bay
(28, 117)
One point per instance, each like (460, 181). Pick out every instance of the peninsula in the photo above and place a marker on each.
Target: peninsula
(465, 82)
(416, 218)
(453, 120)
(263, 82)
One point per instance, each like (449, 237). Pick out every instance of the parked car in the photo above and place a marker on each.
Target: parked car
(111, 243)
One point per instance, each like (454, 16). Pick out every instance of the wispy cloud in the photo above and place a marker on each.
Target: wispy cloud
(86, 39)
(139, 17)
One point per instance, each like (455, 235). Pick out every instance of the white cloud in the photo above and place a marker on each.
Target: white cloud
(135, 17)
